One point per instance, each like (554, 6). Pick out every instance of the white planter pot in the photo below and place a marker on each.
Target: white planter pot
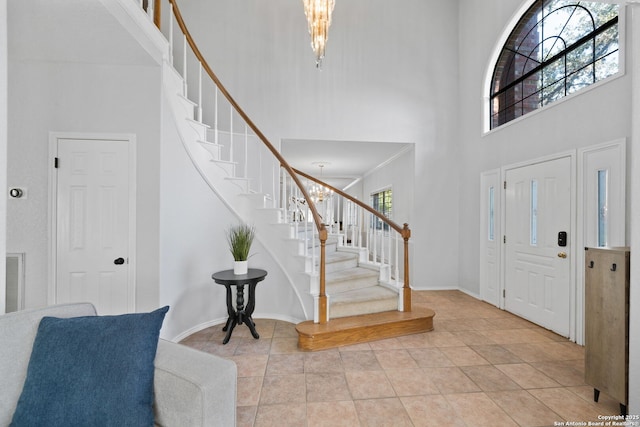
(240, 267)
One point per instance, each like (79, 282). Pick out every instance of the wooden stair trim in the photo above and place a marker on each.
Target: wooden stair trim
(364, 328)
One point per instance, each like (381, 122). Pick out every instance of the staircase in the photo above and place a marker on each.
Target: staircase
(350, 288)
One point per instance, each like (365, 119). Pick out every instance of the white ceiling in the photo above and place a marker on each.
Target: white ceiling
(345, 161)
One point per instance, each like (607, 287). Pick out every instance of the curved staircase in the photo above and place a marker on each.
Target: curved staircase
(352, 293)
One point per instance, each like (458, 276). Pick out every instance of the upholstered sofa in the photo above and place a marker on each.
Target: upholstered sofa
(191, 388)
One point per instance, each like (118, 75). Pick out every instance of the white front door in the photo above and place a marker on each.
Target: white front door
(537, 261)
(92, 224)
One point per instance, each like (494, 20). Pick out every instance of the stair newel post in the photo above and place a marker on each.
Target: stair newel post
(406, 290)
(322, 298)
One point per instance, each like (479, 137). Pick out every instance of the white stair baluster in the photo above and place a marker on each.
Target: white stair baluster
(184, 65)
(231, 135)
(200, 92)
(215, 115)
(171, 36)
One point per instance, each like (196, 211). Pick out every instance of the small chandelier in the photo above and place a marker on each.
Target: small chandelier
(318, 14)
(319, 193)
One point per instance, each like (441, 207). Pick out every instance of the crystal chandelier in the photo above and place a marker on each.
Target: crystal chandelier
(318, 14)
(319, 193)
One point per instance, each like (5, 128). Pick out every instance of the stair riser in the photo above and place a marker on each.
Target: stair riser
(340, 265)
(350, 285)
(359, 308)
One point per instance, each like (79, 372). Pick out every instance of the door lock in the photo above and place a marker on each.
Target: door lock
(118, 261)
(562, 254)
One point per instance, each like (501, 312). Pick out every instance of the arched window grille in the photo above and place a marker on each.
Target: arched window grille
(557, 48)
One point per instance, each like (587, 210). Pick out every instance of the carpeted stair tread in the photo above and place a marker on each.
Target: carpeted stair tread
(371, 293)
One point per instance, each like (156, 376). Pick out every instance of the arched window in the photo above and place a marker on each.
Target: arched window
(557, 48)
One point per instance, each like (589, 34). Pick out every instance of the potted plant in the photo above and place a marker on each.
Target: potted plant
(240, 238)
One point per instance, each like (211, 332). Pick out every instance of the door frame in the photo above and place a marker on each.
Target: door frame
(572, 232)
(54, 137)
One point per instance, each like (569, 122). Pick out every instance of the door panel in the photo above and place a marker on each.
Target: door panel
(92, 214)
(537, 270)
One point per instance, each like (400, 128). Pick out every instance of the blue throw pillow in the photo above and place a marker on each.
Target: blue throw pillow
(91, 371)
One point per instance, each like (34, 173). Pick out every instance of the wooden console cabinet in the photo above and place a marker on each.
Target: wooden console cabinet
(607, 322)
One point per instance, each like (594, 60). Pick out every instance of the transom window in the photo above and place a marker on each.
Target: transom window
(557, 48)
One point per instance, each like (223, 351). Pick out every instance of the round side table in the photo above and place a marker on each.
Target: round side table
(240, 314)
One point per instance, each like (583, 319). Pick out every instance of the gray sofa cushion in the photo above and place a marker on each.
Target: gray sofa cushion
(17, 333)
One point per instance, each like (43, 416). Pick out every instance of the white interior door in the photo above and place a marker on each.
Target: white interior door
(537, 265)
(490, 235)
(92, 224)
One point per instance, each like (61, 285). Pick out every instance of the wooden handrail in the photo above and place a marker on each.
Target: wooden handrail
(322, 231)
(404, 231)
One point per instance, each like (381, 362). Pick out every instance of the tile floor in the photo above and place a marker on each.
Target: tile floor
(480, 366)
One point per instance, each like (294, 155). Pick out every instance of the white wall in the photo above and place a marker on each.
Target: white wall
(390, 74)
(193, 246)
(73, 97)
(593, 116)
(3, 152)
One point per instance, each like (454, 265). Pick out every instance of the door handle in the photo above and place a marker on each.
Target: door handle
(562, 254)
(118, 261)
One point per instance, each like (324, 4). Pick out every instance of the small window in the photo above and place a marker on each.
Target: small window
(533, 216)
(492, 227)
(603, 186)
(557, 48)
(382, 202)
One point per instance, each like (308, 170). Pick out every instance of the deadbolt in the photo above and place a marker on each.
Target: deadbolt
(562, 254)
(118, 261)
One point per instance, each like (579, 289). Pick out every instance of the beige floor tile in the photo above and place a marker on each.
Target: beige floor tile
(394, 359)
(284, 330)
(444, 339)
(251, 365)
(411, 382)
(451, 380)
(246, 416)
(386, 344)
(323, 362)
(415, 341)
(369, 384)
(382, 413)
(488, 378)
(284, 345)
(360, 361)
(526, 376)
(514, 336)
(252, 346)
(430, 358)
(431, 411)
(496, 354)
(336, 414)
(525, 409)
(285, 364)
(327, 387)
(563, 373)
(478, 410)
(529, 352)
(463, 356)
(248, 393)
(567, 404)
(282, 389)
(265, 328)
(282, 415)
(473, 338)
